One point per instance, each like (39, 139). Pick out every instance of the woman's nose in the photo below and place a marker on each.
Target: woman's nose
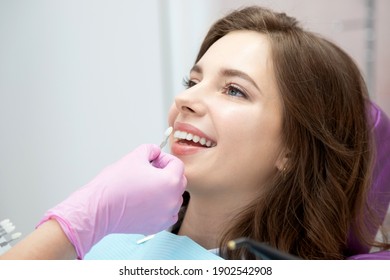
(191, 102)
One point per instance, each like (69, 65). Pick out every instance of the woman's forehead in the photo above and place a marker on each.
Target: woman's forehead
(246, 51)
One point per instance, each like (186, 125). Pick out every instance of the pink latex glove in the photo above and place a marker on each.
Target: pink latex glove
(141, 193)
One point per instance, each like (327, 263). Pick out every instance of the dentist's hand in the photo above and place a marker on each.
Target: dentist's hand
(141, 193)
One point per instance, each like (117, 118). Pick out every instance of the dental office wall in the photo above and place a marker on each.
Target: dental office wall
(80, 86)
(83, 82)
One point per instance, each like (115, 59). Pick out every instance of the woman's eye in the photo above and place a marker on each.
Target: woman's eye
(187, 83)
(234, 91)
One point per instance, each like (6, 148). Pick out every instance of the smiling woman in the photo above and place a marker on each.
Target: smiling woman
(275, 131)
(291, 160)
(274, 139)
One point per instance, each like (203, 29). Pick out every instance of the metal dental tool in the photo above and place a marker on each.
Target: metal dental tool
(14, 236)
(262, 250)
(167, 133)
(6, 227)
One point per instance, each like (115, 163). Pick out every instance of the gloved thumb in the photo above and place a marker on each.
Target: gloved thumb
(148, 152)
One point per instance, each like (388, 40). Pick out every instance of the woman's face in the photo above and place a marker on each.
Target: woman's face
(227, 123)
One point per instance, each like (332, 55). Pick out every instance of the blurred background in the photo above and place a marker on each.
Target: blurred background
(83, 82)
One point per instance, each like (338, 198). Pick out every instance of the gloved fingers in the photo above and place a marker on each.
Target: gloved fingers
(178, 205)
(169, 162)
(146, 152)
(161, 160)
(174, 219)
(178, 184)
(153, 152)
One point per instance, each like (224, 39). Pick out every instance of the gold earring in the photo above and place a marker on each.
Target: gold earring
(284, 172)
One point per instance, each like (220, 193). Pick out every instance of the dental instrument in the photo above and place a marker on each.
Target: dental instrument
(167, 133)
(14, 236)
(4, 222)
(5, 230)
(262, 250)
(6, 227)
(146, 238)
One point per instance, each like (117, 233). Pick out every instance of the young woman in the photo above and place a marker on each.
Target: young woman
(289, 150)
(275, 133)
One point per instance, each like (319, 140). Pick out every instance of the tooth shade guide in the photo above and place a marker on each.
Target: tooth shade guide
(168, 131)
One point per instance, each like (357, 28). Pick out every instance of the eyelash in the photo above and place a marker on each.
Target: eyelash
(230, 86)
(187, 83)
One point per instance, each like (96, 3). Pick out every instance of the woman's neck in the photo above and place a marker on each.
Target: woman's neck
(206, 219)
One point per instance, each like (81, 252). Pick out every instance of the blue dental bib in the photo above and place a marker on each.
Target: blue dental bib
(162, 246)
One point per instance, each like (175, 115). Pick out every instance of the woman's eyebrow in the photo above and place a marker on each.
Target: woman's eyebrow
(240, 74)
(227, 72)
(196, 68)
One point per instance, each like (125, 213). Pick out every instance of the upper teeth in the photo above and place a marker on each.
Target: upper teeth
(191, 137)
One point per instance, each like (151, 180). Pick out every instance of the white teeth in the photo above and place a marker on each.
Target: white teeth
(191, 137)
(183, 135)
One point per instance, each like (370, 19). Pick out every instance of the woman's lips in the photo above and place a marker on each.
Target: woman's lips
(189, 140)
(180, 148)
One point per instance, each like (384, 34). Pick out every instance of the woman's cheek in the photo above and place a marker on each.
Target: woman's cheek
(172, 114)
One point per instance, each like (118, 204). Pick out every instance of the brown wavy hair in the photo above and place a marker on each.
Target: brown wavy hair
(310, 207)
